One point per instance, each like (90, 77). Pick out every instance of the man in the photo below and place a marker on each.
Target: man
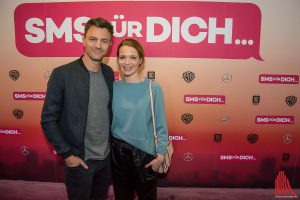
(76, 115)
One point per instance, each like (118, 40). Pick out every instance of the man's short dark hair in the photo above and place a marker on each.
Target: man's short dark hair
(99, 23)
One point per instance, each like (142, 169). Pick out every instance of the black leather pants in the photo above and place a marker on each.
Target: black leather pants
(129, 173)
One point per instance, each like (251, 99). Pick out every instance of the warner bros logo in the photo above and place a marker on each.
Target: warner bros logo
(188, 76)
(18, 113)
(252, 138)
(291, 100)
(14, 74)
(186, 118)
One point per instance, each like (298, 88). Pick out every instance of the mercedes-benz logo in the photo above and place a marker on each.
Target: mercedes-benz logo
(227, 78)
(25, 150)
(188, 157)
(287, 138)
(224, 119)
(47, 75)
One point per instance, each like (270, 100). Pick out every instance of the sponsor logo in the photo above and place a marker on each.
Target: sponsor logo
(188, 76)
(224, 119)
(164, 29)
(187, 118)
(283, 188)
(252, 138)
(255, 100)
(29, 95)
(18, 113)
(287, 139)
(278, 79)
(291, 100)
(25, 150)
(227, 78)
(235, 157)
(9, 132)
(261, 119)
(47, 75)
(285, 156)
(151, 74)
(188, 157)
(14, 74)
(204, 99)
(217, 138)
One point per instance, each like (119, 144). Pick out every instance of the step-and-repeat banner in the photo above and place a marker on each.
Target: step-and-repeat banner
(229, 72)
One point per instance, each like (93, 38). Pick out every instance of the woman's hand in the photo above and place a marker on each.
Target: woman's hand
(156, 163)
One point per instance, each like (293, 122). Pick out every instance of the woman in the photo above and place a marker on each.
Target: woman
(135, 158)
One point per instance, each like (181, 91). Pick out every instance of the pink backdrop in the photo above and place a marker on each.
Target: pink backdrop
(229, 71)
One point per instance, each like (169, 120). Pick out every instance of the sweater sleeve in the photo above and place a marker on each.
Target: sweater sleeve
(160, 119)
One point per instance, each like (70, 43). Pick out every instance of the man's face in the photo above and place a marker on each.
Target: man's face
(96, 43)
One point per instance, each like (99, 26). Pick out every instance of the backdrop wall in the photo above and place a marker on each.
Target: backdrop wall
(229, 72)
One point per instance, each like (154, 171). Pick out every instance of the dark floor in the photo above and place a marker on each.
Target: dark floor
(26, 190)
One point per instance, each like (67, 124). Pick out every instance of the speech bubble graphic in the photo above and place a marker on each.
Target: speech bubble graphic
(165, 29)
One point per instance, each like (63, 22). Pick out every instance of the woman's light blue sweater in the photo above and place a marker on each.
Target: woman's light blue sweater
(132, 118)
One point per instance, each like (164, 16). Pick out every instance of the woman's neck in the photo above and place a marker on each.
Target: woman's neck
(135, 78)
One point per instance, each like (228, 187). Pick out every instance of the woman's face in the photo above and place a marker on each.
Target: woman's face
(129, 61)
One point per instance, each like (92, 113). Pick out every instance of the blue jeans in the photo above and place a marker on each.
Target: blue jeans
(91, 183)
